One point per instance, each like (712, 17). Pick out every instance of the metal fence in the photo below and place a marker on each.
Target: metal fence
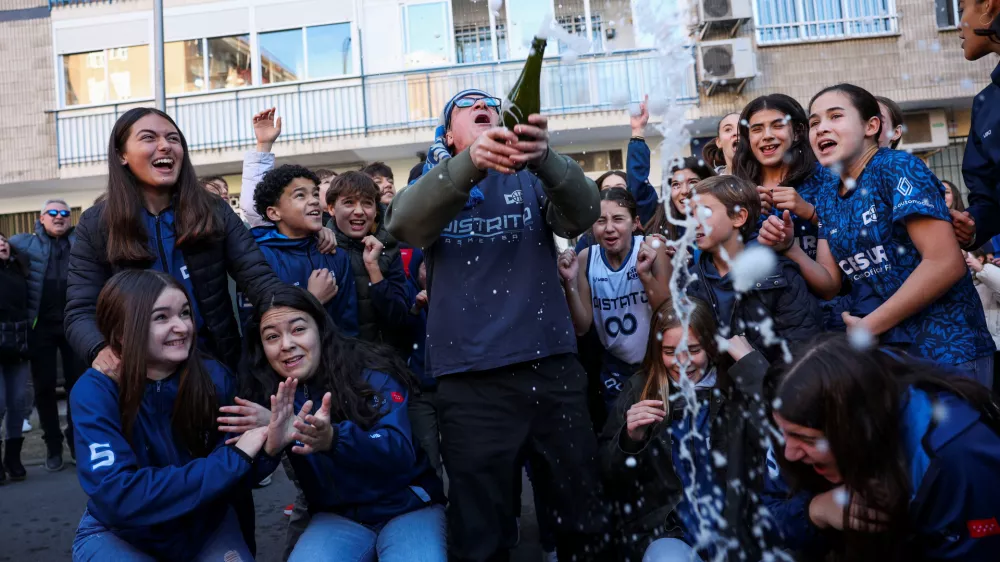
(360, 105)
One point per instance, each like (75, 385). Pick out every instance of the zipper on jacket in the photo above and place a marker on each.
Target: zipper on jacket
(159, 246)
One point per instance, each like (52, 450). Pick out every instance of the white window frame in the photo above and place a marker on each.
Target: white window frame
(305, 53)
(803, 26)
(449, 28)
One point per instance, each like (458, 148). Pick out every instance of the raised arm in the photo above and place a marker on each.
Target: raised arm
(654, 268)
(822, 275)
(637, 166)
(258, 162)
(573, 272)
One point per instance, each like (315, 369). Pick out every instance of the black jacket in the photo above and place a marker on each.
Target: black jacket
(783, 298)
(383, 309)
(645, 493)
(207, 262)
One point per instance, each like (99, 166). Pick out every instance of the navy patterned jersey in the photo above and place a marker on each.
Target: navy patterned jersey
(867, 236)
(807, 233)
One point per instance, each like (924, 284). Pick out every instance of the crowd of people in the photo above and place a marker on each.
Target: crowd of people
(790, 355)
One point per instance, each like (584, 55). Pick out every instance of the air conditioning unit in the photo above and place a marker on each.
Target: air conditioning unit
(729, 59)
(924, 129)
(724, 10)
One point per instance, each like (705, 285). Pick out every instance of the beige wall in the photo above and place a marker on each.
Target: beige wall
(27, 133)
(920, 64)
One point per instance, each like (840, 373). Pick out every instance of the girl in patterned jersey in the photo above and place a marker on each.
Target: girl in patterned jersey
(886, 227)
(612, 286)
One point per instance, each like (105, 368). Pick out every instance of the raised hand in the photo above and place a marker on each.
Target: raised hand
(642, 415)
(647, 255)
(641, 119)
(280, 431)
(323, 285)
(107, 362)
(533, 150)
(314, 431)
(243, 416)
(777, 233)
(965, 227)
(422, 300)
(788, 199)
(569, 267)
(251, 442)
(766, 199)
(266, 129)
(373, 249)
(493, 150)
(326, 240)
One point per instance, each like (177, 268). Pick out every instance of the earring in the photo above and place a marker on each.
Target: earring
(988, 21)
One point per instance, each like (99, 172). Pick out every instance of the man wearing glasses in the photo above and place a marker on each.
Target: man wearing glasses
(500, 341)
(48, 249)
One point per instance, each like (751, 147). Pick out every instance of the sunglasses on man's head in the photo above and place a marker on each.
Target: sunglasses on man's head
(55, 213)
(469, 102)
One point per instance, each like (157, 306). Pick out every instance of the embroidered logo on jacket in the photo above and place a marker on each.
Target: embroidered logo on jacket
(981, 528)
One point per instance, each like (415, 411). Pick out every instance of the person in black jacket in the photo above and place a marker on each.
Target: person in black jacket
(683, 474)
(14, 365)
(156, 216)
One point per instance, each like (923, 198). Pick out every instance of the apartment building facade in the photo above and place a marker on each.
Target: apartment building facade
(363, 80)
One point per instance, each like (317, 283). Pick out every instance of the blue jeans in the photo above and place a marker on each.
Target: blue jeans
(669, 550)
(418, 536)
(980, 370)
(13, 384)
(94, 543)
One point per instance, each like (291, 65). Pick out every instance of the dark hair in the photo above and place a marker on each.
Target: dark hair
(273, 185)
(606, 175)
(212, 179)
(194, 208)
(658, 223)
(957, 203)
(712, 153)
(861, 99)
(21, 262)
(621, 196)
(323, 173)
(734, 193)
(799, 157)
(895, 115)
(343, 360)
(702, 322)
(352, 183)
(124, 308)
(856, 398)
(378, 169)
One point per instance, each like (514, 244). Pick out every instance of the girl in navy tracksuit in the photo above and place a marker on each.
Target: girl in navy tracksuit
(368, 485)
(980, 33)
(883, 459)
(159, 477)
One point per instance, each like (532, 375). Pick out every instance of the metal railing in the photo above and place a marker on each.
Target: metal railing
(363, 104)
(780, 22)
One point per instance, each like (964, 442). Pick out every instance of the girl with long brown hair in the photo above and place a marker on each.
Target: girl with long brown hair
(157, 472)
(692, 403)
(157, 216)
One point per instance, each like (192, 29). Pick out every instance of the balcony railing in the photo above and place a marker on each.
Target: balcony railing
(362, 105)
(54, 3)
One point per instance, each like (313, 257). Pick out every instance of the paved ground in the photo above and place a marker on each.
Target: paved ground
(39, 516)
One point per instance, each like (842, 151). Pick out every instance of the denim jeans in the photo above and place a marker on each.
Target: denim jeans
(418, 536)
(981, 370)
(670, 550)
(94, 543)
(14, 377)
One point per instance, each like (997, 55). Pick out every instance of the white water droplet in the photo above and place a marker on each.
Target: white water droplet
(630, 462)
(841, 497)
(860, 338)
(752, 265)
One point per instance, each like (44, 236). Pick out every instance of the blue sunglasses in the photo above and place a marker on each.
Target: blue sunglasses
(469, 102)
(55, 213)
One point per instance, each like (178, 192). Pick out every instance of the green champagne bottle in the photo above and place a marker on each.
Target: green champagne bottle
(525, 97)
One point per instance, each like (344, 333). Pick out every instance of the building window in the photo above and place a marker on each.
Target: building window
(946, 12)
(575, 25)
(473, 44)
(426, 35)
(109, 75)
(321, 51)
(598, 160)
(796, 21)
(216, 63)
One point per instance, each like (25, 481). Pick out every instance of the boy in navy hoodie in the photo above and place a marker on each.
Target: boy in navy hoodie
(779, 307)
(288, 196)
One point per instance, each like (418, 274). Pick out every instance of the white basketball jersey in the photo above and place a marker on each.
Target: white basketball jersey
(621, 309)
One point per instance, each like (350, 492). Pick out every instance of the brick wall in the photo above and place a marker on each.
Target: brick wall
(921, 63)
(27, 133)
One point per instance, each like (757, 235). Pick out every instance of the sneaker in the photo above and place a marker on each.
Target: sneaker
(26, 427)
(289, 509)
(54, 463)
(264, 482)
